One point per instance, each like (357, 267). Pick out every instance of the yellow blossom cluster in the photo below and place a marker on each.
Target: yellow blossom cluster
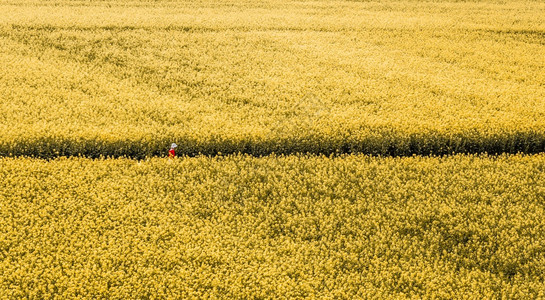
(350, 226)
(118, 78)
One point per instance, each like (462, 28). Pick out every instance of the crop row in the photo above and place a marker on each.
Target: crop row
(385, 142)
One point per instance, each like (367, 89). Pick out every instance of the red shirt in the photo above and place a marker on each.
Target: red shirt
(171, 153)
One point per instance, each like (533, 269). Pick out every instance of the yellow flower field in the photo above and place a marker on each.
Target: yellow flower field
(273, 227)
(367, 149)
(116, 78)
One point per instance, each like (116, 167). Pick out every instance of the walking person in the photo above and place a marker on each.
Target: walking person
(171, 152)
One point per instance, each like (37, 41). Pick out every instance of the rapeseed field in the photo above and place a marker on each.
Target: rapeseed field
(117, 78)
(326, 149)
(293, 226)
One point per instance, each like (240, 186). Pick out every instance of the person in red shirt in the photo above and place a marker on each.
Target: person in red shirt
(171, 152)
